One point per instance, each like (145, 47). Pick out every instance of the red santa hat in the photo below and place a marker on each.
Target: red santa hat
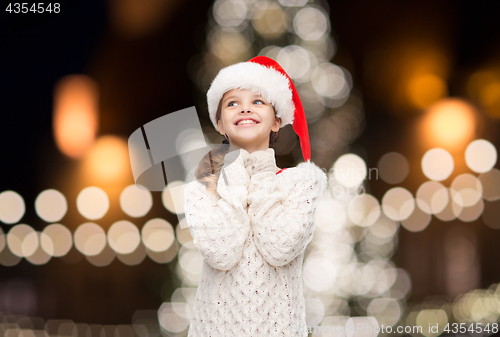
(266, 77)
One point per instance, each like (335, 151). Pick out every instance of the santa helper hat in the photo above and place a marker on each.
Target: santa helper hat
(266, 77)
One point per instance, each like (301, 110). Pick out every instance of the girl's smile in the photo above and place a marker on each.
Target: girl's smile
(247, 124)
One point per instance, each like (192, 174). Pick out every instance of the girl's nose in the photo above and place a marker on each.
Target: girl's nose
(246, 107)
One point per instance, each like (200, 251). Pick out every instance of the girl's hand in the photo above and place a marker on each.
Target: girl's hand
(249, 164)
(262, 161)
(239, 156)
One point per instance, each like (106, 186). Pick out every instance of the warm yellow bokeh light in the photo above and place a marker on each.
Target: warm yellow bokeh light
(490, 94)
(484, 87)
(139, 18)
(408, 73)
(229, 46)
(490, 98)
(108, 159)
(449, 123)
(426, 89)
(269, 20)
(75, 116)
(478, 81)
(432, 317)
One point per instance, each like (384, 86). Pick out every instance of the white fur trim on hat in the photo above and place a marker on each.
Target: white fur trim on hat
(270, 83)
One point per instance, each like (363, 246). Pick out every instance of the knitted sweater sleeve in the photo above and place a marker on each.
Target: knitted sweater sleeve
(220, 226)
(282, 213)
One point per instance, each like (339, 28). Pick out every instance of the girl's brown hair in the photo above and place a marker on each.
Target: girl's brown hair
(208, 170)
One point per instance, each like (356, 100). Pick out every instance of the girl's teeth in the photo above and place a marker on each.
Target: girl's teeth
(251, 122)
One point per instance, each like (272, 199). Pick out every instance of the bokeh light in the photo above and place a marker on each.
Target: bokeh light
(449, 123)
(229, 46)
(466, 190)
(92, 202)
(433, 318)
(311, 23)
(123, 237)
(230, 13)
(269, 20)
(426, 89)
(157, 235)
(432, 197)
(137, 19)
(135, 201)
(329, 80)
(51, 205)
(174, 316)
(472, 212)
(364, 210)
(387, 311)
(75, 117)
(172, 197)
(39, 256)
(491, 184)
(22, 240)
(484, 87)
(451, 210)
(417, 221)
(393, 168)
(398, 203)
(90, 239)
(108, 159)
(349, 170)
(56, 240)
(437, 164)
(480, 156)
(12, 207)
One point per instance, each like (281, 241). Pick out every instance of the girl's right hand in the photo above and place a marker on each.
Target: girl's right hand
(233, 156)
(249, 162)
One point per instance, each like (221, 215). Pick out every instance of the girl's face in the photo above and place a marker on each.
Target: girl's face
(238, 104)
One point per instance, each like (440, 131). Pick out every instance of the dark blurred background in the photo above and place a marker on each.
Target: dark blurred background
(145, 59)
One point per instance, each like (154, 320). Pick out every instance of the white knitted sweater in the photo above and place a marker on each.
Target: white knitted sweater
(252, 240)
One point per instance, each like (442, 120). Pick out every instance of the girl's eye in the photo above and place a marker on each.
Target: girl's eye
(258, 100)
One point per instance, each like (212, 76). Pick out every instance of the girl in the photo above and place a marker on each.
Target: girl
(250, 220)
